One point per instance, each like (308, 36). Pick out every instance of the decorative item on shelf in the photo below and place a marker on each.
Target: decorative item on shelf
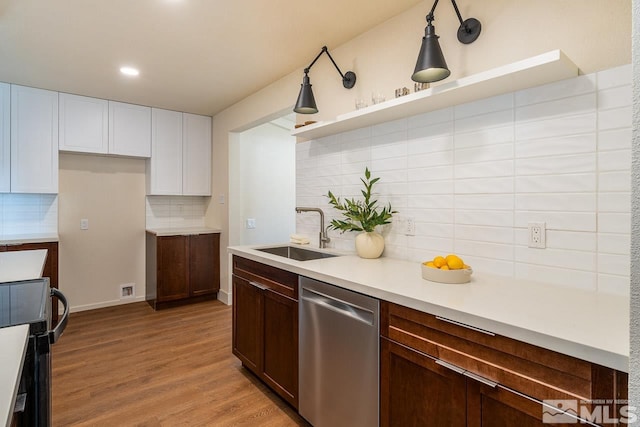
(308, 122)
(360, 103)
(306, 103)
(431, 65)
(377, 97)
(402, 92)
(417, 87)
(364, 216)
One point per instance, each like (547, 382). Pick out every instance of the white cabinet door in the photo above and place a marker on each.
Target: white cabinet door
(5, 133)
(129, 129)
(34, 140)
(84, 124)
(164, 169)
(196, 155)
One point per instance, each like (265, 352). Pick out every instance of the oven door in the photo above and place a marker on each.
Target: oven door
(36, 373)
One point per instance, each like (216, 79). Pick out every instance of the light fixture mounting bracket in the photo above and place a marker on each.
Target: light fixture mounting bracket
(348, 78)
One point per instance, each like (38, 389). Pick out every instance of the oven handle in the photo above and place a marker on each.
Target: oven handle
(62, 324)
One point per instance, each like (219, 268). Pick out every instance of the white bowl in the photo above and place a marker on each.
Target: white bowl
(446, 276)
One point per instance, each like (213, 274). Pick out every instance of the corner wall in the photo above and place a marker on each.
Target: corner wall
(384, 57)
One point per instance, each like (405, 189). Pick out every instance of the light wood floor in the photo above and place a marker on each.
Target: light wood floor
(131, 366)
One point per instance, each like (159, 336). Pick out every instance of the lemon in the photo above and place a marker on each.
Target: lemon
(454, 262)
(439, 261)
(430, 264)
(445, 267)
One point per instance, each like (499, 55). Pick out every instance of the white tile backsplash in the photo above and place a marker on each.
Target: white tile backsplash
(473, 176)
(28, 214)
(175, 211)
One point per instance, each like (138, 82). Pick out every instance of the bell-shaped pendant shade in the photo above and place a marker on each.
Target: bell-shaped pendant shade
(431, 65)
(306, 103)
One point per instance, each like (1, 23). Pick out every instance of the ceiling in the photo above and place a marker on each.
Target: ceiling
(199, 56)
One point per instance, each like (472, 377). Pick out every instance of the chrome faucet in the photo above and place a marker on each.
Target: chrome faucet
(323, 239)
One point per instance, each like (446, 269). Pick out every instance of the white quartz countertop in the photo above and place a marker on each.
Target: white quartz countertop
(22, 265)
(182, 231)
(18, 239)
(587, 325)
(13, 345)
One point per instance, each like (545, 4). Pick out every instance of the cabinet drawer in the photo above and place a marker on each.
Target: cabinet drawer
(281, 281)
(540, 373)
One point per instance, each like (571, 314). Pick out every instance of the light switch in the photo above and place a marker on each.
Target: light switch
(84, 224)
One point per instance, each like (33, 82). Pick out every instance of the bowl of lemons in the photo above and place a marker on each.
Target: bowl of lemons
(449, 269)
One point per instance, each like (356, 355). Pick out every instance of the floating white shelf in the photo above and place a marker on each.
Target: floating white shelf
(546, 68)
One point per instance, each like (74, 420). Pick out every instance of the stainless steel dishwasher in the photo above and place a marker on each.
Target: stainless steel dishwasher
(339, 356)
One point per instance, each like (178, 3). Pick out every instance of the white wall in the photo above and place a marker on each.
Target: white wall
(384, 57)
(93, 263)
(473, 176)
(265, 167)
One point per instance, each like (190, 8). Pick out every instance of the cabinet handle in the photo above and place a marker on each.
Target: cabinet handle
(466, 373)
(259, 286)
(450, 366)
(464, 325)
(478, 378)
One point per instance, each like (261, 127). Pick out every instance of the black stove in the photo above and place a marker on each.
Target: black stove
(29, 302)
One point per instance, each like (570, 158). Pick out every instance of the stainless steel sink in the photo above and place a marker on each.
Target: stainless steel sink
(293, 252)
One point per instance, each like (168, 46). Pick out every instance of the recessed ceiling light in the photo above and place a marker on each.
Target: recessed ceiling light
(129, 71)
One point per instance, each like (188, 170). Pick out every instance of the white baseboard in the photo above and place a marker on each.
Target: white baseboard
(225, 297)
(104, 304)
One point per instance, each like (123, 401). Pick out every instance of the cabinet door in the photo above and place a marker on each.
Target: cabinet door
(248, 323)
(83, 124)
(204, 264)
(34, 140)
(5, 134)
(498, 407)
(129, 129)
(281, 345)
(173, 268)
(196, 155)
(416, 391)
(164, 170)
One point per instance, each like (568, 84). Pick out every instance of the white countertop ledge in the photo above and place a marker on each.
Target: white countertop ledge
(587, 325)
(182, 231)
(22, 265)
(13, 346)
(19, 239)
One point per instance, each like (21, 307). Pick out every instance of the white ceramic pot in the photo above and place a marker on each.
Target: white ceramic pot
(369, 245)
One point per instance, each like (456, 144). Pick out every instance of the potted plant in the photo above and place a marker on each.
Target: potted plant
(364, 216)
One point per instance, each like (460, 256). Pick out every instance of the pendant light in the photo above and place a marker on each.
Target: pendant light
(306, 103)
(431, 65)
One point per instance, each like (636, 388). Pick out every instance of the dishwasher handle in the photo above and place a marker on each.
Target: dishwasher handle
(345, 308)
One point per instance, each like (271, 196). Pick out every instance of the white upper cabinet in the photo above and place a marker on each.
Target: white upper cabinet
(5, 134)
(181, 160)
(196, 155)
(84, 124)
(34, 140)
(129, 129)
(164, 169)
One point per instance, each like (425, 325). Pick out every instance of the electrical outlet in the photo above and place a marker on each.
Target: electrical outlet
(251, 223)
(84, 224)
(537, 235)
(410, 226)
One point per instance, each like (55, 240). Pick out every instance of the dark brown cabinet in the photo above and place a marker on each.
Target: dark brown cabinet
(265, 324)
(438, 373)
(182, 268)
(50, 269)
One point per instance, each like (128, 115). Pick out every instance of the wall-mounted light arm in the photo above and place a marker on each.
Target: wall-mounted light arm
(306, 103)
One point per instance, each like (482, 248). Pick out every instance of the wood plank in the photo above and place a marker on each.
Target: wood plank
(130, 365)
